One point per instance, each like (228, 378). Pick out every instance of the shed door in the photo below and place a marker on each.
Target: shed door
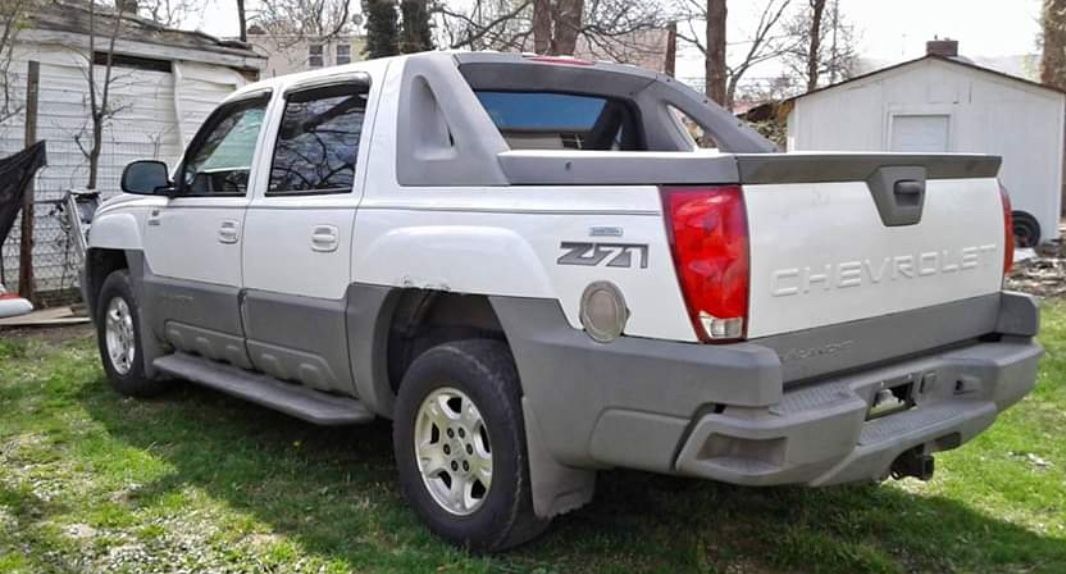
(920, 133)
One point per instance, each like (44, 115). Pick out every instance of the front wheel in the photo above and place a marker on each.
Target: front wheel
(118, 336)
(460, 447)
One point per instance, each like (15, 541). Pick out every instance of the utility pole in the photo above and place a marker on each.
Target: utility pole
(33, 81)
(671, 49)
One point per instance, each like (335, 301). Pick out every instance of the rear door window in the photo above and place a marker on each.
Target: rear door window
(318, 141)
(552, 120)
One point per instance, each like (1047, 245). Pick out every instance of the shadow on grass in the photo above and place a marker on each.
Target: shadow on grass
(332, 491)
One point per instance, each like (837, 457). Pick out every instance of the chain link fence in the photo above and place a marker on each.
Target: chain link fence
(56, 260)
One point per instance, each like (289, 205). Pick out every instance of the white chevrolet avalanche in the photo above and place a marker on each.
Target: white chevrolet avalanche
(530, 266)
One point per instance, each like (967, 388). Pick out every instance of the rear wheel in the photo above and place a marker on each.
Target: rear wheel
(460, 446)
(119, 338)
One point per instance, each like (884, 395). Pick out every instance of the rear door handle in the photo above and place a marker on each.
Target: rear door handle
(229, 231)
(324, 238)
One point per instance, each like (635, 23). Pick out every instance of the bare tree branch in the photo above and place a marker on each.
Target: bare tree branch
(610, 28)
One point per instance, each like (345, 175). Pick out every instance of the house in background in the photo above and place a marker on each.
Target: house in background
(942, 102)
(290, 53)
(287, 54)
(165, 82)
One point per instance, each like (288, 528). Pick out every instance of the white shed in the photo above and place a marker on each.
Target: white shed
(165, 83)
(944, 103)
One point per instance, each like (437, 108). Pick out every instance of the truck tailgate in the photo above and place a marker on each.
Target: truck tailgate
(822, 254)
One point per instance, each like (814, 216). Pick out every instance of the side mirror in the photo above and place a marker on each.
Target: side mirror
(146, 177)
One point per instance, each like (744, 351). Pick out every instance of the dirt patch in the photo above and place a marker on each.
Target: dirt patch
(53, 335)
(1042, 273)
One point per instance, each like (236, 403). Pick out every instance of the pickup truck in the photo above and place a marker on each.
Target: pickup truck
(532, 268)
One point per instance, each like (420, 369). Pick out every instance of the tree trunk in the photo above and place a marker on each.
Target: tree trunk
(242, 21)
(542, 26)
(416, 36)
(567, 26)
(1053, 61)
(815, 48)
(670, 65)
(382, 29)
(714, 61)
(94, 151)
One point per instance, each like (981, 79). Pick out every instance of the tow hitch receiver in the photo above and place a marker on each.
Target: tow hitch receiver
(892, 399)
(913, 463)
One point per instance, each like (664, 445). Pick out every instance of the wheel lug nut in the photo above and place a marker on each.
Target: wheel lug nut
(451, 433)
(455, 465)
(466, 465)
(462, 433)
(447, 449)
(469, 449)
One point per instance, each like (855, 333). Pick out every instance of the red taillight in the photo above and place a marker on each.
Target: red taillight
(1008, 231)
(708, 230)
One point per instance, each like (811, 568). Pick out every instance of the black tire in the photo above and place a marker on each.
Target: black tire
(1026, 229)
(483, 370)
(132, 382)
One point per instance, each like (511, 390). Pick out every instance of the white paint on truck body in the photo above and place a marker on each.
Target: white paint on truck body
(820, 254)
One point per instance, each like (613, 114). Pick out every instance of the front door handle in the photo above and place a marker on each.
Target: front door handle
(229, 231)
(324, 238)
(154, 219)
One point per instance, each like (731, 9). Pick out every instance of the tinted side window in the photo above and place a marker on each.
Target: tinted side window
(318, 141)
(220, 156)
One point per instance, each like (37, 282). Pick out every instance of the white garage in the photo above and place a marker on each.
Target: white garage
(944, 103)
(164, 83)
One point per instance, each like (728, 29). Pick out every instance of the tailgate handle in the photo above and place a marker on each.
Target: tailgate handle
(899, 193)
(909, 192)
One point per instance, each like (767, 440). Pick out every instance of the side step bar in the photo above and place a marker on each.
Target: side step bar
(301, 402)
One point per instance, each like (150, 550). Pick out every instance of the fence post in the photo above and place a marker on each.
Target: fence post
(26, 291)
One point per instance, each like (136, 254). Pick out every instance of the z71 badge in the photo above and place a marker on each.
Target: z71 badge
(593, 254)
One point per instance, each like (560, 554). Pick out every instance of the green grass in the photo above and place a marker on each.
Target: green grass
(195, 481)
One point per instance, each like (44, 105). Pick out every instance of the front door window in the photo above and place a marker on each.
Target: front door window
(220, 157)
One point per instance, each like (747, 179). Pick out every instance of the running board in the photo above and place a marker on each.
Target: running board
(301, 402)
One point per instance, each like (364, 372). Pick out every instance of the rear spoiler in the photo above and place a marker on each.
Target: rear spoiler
(537, 167)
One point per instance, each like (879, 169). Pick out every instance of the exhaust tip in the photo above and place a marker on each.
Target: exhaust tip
(914, 463)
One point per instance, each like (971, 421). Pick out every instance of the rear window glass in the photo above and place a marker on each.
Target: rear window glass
(550, 120)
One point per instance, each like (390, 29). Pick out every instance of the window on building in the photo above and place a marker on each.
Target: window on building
(344, 54)
(314, 56)
(318, 141)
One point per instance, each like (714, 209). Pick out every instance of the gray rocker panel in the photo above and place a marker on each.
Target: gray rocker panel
(189, 315)
(298, 338)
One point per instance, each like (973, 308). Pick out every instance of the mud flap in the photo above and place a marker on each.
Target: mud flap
(556, 488)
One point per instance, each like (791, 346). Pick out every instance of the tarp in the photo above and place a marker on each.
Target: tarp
(16, 173)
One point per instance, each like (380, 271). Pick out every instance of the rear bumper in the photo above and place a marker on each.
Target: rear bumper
(739, 414)
(820, 435)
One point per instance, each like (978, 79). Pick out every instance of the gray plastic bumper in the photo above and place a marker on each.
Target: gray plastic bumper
(780, 410)
(820, 434)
